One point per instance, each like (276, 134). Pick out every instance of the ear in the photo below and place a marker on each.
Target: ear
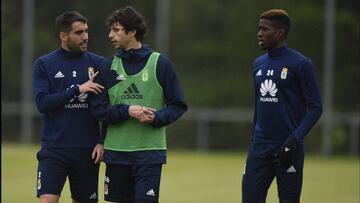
(132, 33)
(281, 33)
(63, 36)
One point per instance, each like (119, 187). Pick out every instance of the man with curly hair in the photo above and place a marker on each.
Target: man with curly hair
(143, 96)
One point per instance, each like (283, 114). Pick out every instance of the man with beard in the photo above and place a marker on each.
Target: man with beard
(71, 145)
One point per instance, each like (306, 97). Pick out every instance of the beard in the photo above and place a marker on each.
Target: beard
(77, 48)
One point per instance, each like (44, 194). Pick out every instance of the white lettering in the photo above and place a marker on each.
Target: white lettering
(76, 106)
(269, 99)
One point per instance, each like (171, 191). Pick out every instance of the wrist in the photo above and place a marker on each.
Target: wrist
(80, 89)
(290, 141)
(133, 112)
(294, 138)
(77, 90)
(73, 91)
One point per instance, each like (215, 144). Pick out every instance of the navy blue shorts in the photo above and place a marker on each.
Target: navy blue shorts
(55, 165)
(262, 167)
(130, 183)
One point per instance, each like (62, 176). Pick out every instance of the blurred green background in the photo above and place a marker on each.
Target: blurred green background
(212, 44)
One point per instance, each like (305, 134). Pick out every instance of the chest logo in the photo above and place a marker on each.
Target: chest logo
(145, 76)
(284, 73)
(120, 77)
(59, 75)
(268, 87)
(90, 71)
(132, 92)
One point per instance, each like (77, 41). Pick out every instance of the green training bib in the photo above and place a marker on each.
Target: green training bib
(141, 89)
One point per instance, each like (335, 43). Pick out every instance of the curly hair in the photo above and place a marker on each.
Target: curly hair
(130, 19)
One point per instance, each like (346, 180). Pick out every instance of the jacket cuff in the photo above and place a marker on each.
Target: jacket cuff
(297, 138)
(156, 120)
(73, 91)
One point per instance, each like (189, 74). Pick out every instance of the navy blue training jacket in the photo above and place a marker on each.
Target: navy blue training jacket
(67, 122)
(287, 96)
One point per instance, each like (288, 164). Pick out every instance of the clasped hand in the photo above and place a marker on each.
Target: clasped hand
(142, 114)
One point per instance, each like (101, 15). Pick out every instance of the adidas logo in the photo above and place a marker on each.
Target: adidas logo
(150, 192)
(258, 73)
(93, 196)
(291, 169)
(132, 92)
(59, 75)
(120, 77)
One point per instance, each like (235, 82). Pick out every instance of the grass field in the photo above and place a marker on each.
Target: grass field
(191, 177)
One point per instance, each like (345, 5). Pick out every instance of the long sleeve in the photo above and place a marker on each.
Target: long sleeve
(103, 130)
(104, 111)
(311, 91)
(67, 121)
(44, 99)
(100, 104)
(175, 102)
(174, 98)
(255, 109)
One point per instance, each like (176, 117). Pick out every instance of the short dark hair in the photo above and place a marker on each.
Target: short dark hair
(130, 19)
(63, 22)
(279, 17)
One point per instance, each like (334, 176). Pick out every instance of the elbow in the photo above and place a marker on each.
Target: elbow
(40, 107)
(41, 110)
(99, 116)
(182, 108)
(178, 111)
(317, 110)
(320, 110)
(40, 102)
(185, 108)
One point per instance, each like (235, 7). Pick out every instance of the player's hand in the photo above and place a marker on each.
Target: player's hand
(142, 114)
(134, 111)
(286, 152)
(146, 115)
(90, 86)
(98, 153)
(150, 109)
